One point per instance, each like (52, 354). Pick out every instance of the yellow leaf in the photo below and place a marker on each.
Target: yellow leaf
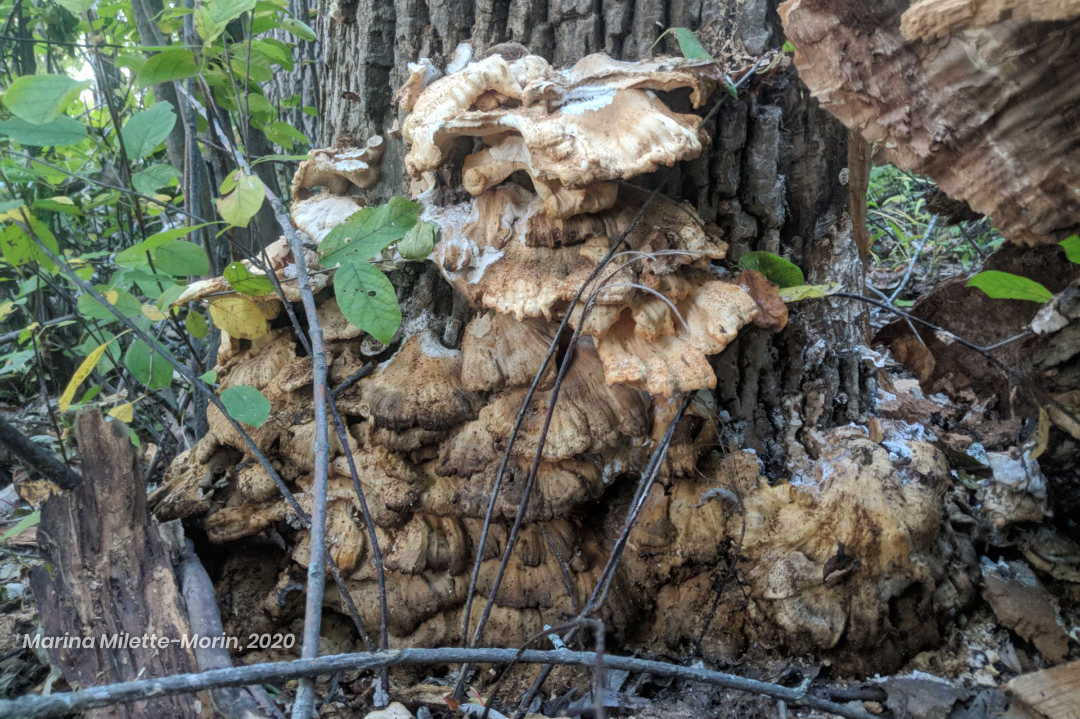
(123, 412)
(1042, 434)
(81, 374)
(6, 309)
(112, 296)
(153, 313)
(238, 316)
(62, 200)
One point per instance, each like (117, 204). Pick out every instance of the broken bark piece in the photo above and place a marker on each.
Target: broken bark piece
(108, 572)
(1053, 692)
(929, 19)
(1022, 604)
(988, 113)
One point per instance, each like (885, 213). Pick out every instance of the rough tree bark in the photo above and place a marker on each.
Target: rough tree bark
(108, 574)
(774, 178)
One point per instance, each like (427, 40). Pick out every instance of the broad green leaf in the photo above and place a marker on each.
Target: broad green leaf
(690, 47)
(60, 203)
(212, 16)
(297, 28)
(149, 180)
(145, 130)
(61, 131)
(85, 368)
(367, 299)
(209, 377)
(135, 255)
(239, 206)
(180, 258)
(1007, 286)
(76, 7)
(1071, 245)
(246, 404)
(778, 270)
(807, 292)
(238, 317)
(20, 248)
(173, 64)
(121, 299)
(245, 281)
(205, 26)
(368, 232)
(196, 325)
(788, 47)
(30, 520)
(418, 241)
(40, 99)
(169, 295)
(147, 366)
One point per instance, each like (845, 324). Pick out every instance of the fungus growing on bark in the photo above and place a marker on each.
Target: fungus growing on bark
(339, 169)
(429, 426)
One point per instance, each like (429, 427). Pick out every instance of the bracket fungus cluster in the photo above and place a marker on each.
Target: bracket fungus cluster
(545, 199)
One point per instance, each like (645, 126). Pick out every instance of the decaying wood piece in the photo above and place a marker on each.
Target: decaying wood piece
(1053, 693)
(929, 19)
(432, 421)
(984, 97)
(108, 576)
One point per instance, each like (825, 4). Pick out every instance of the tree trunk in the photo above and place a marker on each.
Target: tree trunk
(774, 178)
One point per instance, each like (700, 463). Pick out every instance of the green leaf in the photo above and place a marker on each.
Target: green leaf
(76, 7)
(173, 64)
(156, 176)
(40, 99)
(246, 282)
(1007, 286)
(418, 241)
(125, 302)
(181, 258)
(209, 377)
(212, 16)
(145, 130)
(63, 205)
(1071, 245)
(788, 47)
(148, 367)
(690, 47)
(297, 28)
(196, 324)
(22, 525)
(367, 299)
(807, 292)
(778, 270)
(246, 404)
(135, 255)
(170, 295)
(239, 206)
(368, 232)
(61, 131)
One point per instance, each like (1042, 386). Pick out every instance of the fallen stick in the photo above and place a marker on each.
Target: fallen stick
(31, 707)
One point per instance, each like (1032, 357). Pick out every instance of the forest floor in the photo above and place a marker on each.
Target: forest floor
(1024, 620)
